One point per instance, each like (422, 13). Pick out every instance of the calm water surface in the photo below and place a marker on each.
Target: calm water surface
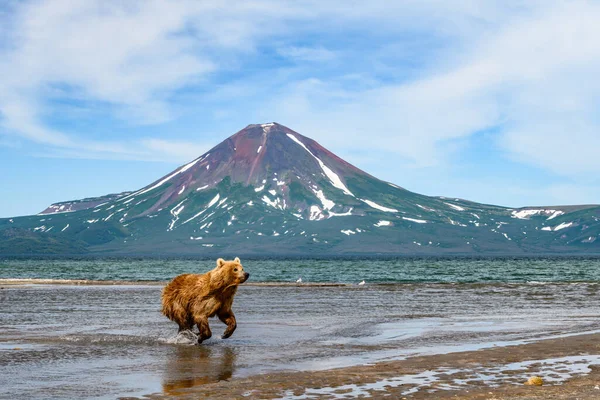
(391, 270)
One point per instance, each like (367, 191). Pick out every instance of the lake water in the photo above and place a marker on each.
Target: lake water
(109, 341)
(385, 270)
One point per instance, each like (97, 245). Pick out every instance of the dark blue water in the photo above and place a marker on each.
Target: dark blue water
(385, 270)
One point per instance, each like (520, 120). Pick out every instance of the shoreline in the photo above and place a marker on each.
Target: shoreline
(90, 282)
(112, 282)
(570, 366)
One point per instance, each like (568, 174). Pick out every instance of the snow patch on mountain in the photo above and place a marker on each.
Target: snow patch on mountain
(456, 223)
(382, 223)
(345, 214)
(214, 200)
(212, 203)
(556, 214)
(222, 202)
(562, 226)
(267, 127)
(175, 213)
(277, 203)
(378, 207)
(525, 214)
(454, 206)
(332, 176)
(56, 209)
(327, 204)
(425, 208)
(107, 218)
(316, 214)
(418, 221)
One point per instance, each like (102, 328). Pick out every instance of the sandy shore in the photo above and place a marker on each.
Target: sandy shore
(570, 367)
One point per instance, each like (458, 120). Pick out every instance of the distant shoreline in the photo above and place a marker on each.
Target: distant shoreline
(254, 257)
(13, 282)
(88, 282)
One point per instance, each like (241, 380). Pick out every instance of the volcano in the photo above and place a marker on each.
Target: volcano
(268, 190)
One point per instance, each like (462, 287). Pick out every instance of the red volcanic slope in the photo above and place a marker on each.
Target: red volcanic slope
(251, 156)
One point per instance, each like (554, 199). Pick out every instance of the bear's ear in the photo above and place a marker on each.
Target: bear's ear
(220, 262)
(237, 260)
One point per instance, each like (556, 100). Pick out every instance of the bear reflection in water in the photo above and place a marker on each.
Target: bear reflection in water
(191, 366)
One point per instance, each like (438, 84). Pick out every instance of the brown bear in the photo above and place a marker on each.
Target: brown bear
(194, 298)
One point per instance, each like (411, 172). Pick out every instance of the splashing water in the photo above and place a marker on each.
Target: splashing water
(183, 337)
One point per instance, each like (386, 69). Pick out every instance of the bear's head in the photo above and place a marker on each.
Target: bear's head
(232, 272)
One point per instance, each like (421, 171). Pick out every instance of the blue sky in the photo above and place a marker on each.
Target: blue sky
(491, 101)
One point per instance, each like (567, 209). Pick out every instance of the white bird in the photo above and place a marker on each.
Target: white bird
(299, 280)
(361, 283)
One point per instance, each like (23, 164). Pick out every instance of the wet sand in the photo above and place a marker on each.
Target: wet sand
(569, 366)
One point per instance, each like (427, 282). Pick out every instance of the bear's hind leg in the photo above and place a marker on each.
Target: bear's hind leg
(228, 319)
(203, 328)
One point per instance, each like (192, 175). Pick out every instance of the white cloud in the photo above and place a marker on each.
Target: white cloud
(128, 55)
(533, 78)
(526, 69)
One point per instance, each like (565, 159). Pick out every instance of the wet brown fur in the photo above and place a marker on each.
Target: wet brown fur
(190, 299)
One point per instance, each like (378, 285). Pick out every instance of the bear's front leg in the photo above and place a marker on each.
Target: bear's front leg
(187, 326)
(203, 328)
(227, 317)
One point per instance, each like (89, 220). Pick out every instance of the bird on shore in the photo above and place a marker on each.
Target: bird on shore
(299, 280)
(361, 283)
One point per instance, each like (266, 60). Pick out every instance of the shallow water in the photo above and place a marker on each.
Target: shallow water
(67, 341)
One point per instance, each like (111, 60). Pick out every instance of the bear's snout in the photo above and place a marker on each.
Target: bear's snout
(246, 276)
